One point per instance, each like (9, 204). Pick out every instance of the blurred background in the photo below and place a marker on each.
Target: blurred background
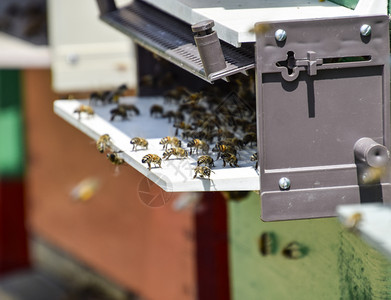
(72, 228)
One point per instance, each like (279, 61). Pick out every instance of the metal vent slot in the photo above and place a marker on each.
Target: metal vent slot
(173, 40)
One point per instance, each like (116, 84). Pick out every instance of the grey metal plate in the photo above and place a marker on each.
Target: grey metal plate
(308, 122)
(173, 40)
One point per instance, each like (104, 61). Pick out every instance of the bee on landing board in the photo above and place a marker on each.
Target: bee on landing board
(152, 158)
(168, 140)
(138, 141)
(204, 172)
(103, 143)
(205, 160)
(84, 109)
(178, 152)
(198, 144)
(254, 157)
(221, 149)
(156, 110)
(119, 111)
(230, 159)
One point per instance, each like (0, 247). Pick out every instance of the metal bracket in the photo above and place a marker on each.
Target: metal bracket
(323, 115)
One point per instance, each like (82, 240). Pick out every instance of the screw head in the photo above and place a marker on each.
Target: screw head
(280, 35)
(365, 30)
(284, 183)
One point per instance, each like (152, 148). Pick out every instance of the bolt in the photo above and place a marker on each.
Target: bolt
(284, 183)
(280, 35)
(365, 30)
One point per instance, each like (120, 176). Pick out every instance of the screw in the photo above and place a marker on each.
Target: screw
(365, 30)
(284, 183)
(280, 35)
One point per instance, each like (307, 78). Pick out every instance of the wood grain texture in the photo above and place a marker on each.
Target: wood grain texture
(336, 264)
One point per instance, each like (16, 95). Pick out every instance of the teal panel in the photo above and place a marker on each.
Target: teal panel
(12, 151)
(335, 263)
(347, 3)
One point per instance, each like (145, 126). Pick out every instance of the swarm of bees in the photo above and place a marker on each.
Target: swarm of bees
(216, 119)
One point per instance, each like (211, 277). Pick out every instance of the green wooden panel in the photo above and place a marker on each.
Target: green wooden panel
(12, 151)
(337, 264)
(348, 3)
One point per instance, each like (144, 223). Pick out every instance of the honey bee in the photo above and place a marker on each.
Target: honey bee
(250, 138)
(176, 94)
(120, 91)
(352, 221)
(260, 28)
(152, 158)
(230, 159)
(114, 158)
(198, 144)
(294, 250)
(182, 125)
(130, 108)
(156, 110)
(267, 243)
(202, 171)
(84, 109)
(168, 140)
(103, 142)
(178, 152)
(206, 160)
(95, 97)
(138, 141)
(119, 111)
(254, 157)
(220, 149)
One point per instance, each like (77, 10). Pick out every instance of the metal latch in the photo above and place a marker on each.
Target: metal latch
(294, 66)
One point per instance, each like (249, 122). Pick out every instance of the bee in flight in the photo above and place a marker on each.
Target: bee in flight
(254, 157)
(198, 144)
(178, 152)
(114, 158)
(230, 159)
(84, 109)
(206, 160)
(168, 140)
(202, 171)
(352, 221)
(152, 158)
(138, 141)
(103, 143)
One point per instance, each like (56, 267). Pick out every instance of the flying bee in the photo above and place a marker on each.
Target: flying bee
(254, 157)
(206, 160)
(178, 152)
(156, 110)
(138, 141)
(198, 144)
(294, 250)
(130, 108)
(114, 158)
(152, 158)
(84, 109)
(202, 171)
(352, 221)
(103, 142)
(267, 243)
(119, 111)
(168, 140)
(220, 149)
(230, 159)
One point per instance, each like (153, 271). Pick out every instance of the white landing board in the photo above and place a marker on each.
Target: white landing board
(176, 175)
